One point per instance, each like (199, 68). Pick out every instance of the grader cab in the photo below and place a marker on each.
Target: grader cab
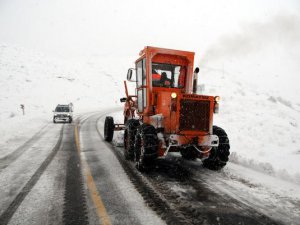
(166, 115)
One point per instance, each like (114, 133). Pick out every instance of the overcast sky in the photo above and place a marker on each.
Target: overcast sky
(76, 28)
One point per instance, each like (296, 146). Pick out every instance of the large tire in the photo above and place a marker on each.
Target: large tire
(54, 119)
(146, 147)
(70, 119)
(219, 155)
(131, 126)
(109, 127)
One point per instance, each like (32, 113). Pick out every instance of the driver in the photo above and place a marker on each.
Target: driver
(164, 81)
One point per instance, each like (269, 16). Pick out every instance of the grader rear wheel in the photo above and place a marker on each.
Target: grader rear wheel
(131, 126)
(146, 147)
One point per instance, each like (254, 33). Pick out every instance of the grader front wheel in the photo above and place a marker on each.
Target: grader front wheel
(219, 155)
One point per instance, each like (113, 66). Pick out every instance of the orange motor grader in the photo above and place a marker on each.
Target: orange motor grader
(166, 115)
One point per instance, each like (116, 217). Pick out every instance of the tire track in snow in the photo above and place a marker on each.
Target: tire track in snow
(75, 211)
(200, 200)
(8, 159)
(9, 212)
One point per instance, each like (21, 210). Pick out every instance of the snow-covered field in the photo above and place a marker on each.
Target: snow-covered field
(40, 83)
(263, 126)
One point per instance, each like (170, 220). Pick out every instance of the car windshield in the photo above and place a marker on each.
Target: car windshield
(62, 109)
(168, 75)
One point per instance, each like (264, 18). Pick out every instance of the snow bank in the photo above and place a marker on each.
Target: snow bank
(40, 83)
(263, 127)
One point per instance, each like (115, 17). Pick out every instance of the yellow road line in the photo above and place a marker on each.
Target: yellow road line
(100, 208)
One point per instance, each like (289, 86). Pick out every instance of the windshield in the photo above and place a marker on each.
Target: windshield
(62, 109)
(168, 75)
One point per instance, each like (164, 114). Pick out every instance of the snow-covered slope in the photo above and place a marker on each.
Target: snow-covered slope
(263, 128)
(40, 83)
(256, 73)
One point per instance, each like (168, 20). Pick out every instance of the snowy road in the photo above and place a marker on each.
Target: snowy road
(45, 181)
(67, 174)
(32, 184)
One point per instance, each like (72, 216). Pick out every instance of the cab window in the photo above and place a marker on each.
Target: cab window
(141, 84)
(168, 75)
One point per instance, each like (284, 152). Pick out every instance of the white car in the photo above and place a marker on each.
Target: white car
(63, 113)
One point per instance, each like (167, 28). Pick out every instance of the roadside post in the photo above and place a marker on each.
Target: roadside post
(23, 109)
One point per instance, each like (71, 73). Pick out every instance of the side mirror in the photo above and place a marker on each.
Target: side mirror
(130, 74)
(123, 99)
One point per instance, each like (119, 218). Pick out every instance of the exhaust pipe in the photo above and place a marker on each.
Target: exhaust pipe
(195, 80)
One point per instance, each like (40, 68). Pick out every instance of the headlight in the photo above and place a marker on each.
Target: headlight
(217, 98)
(173, 101)
(173, 95)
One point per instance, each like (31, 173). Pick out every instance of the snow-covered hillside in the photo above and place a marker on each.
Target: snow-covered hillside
(263, 128)
(256, 73)
(40, 83)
